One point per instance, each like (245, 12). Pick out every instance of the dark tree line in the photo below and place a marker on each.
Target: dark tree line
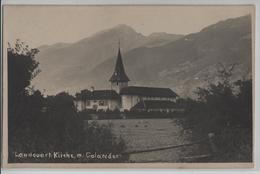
(41, 124)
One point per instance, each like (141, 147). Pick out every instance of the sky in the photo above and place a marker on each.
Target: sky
(46, 25)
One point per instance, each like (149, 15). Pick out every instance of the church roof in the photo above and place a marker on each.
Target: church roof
(119, 74)
(148, 91)
(98, 95)
(154, 104)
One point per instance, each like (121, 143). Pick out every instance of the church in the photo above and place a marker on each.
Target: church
(126, 98)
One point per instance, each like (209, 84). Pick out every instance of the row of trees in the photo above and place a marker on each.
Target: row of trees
(39, 124)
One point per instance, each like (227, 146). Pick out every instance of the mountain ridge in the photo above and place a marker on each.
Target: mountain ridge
(61, 60)
(181, 64)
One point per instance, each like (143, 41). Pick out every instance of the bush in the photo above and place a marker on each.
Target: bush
(60, 129)
(224, 108)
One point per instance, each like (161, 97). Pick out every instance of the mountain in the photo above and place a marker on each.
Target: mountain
(187, 63)
(62, 64)
(161, 38)
(182, 63)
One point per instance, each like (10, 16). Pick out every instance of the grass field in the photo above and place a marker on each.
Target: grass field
(143, 134)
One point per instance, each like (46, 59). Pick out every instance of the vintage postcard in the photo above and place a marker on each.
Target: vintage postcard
(128, 86)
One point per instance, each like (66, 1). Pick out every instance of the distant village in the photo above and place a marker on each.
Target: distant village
(126, 98)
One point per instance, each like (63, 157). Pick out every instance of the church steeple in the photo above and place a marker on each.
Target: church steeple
(119, 78)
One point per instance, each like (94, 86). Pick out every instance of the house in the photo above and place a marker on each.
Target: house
(124, 97)
(97, 100)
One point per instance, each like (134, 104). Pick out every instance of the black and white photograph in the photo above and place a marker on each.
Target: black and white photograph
(128, 85)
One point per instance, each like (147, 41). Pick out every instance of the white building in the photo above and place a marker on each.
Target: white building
(97, 100)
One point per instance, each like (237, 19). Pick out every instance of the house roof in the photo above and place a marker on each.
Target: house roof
(154, 104)
(98, 95)
(119, 74)
(148, 91)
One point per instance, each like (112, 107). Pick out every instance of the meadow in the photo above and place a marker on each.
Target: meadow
(144, 134)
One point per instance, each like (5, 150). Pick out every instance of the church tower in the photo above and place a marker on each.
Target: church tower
(119, 78)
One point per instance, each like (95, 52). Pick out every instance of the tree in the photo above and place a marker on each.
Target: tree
(225, 108)
(245, 103)
(61, 125)
(22, 68)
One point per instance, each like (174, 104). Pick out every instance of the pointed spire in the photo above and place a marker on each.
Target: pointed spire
(119, 74)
